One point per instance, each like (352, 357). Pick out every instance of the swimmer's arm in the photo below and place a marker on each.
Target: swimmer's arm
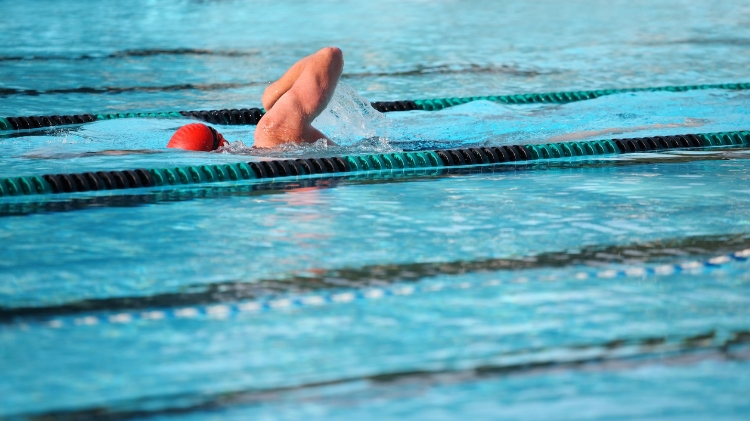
(325, 66)
(291, 116)
(316, 83)
(275, 90)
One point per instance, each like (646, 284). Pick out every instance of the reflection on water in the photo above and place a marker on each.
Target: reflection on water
(571, 289)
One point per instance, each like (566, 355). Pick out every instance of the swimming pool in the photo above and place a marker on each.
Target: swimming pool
(597, 287)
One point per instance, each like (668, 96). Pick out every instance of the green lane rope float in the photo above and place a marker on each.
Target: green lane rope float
(339, 165)
(251, 116)
(556, 97)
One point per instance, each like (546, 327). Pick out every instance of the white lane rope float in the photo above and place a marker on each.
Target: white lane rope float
(224, 311)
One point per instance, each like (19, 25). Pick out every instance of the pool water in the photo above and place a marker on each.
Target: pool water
(608, 288)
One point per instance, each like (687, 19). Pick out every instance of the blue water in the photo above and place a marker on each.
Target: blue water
(578, 289)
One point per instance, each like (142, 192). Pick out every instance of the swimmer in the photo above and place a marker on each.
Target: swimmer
(291, 104)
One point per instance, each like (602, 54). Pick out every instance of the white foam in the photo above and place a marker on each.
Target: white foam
(349, 118)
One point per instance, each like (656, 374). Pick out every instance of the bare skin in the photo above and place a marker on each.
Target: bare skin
(300, 95)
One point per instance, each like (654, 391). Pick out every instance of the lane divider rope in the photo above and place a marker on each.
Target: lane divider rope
(340, 165)
(232, 310)
(251, 116)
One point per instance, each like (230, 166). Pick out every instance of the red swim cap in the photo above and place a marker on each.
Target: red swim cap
(197, 137)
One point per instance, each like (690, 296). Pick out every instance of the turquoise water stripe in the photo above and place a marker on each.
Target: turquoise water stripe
(565, 97)
(232, 310)
(252, 115)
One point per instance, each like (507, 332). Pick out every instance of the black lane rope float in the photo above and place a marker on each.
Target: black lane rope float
(52, 203)
(251, 116)
(340, 165)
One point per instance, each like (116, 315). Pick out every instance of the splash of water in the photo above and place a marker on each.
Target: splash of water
(349, 118)
(320, 148)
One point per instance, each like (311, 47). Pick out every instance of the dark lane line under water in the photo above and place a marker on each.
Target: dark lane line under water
(135, 53)
(660, 251)
(219, 86)
(613, 356)
(4, 92)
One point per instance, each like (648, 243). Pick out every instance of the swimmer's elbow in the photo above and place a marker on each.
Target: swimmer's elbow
(333, 55)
